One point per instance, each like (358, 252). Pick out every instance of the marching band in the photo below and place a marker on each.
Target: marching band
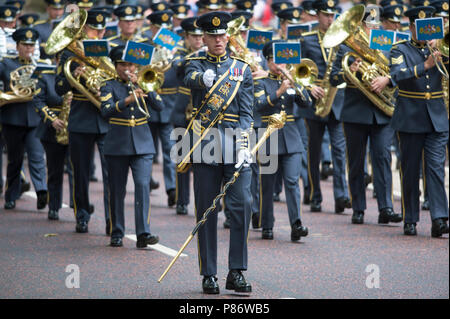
(57, 103)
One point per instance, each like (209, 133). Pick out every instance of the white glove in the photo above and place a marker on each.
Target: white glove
(208, 77)
(244, 157)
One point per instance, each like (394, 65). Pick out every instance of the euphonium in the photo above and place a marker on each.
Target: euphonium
(347, 29)
(237, 44)
(62, 136)
(150, 79)
(23, 86)
(69, 34)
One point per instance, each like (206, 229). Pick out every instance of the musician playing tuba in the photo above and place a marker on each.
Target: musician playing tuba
(362, 120)
(19, 120)
(86, 125)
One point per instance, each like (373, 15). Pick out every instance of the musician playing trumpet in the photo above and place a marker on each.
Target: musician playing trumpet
(128, 144)
(273, 94)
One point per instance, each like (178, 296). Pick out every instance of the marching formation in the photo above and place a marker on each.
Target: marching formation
(225, 107)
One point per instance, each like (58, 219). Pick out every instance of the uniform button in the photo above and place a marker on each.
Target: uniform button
(427, 76)
(132, 108)
(282, 97)
(282, 106)
(428, 86)
(218, 65)
(132, 116)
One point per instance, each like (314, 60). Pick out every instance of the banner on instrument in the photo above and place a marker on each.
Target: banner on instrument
(166, 38)
(429, 29)
(257, 39)
(111, 29)
(286, 52)
(381, 39)
(96, 48)
(139, 53)
(294, 31)
(400, 36)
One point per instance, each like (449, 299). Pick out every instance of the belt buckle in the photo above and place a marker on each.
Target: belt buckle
(428, 95)
(132, 123)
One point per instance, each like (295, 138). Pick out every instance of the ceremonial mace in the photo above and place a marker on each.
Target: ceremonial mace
(276, 121)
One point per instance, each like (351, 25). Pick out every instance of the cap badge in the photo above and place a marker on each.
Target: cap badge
(296, 14)
(216, 21)
(181, 9)
(99, 18)
(422, 14)
(128, 10)
(330, 3)
(426, 3)
(165, 17)
(30, 20)
(397, 11)
(445, 6)
(161, 6)
(7, 12)
(29, 34)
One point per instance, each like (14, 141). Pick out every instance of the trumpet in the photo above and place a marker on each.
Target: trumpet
(294, 83)
(142, 107)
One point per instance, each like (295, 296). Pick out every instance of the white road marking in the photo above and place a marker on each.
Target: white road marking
(158, 247)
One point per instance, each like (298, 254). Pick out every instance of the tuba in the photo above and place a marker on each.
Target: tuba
(23, 86)
(238, 46)
(347, 29)
(69, 34)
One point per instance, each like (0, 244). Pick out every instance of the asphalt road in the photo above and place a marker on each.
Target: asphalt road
(41, 258)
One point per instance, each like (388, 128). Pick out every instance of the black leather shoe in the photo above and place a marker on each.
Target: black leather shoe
(276, 197)
(439, 227)
(182, 209)
(146, 239)
(116, 242)
(358, 217)
(171, 200)
(108, 227)
(226, 223)
(82, 227)
(210, 285)
(267, 233)
(25, 187)
(153, 184)
(236, 282)
(53, 214)
(410, 230)
(42, 197)
(326, 171)
(425, 205)
(315, 207)
(298, 231)
(255, 221)
(341, 204)
(388, 215)
(10, 205)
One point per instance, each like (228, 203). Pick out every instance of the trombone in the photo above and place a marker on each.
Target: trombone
(442, 47)
(304, 74)
(142, 108)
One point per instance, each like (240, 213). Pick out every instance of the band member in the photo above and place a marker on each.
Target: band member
(50, 105)
(128, 144)
(309, 14)
(55, 10)
(232, 81)
(288, 16)
(363, 120)
(86, 128)
(19, 122)
(275, 94)
(183, 108)
(422, 125)
(391, 17)
(312, 48)
(228, 6)
(127, 25)
(160, 121)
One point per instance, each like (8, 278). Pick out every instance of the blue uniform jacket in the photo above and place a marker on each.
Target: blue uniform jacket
(48, 103)
(267, 103)
(357, 107)
(239, 114)
(183, 96)
(420, 106)
(19, 114)
(311, 44)
(84, 116)
(129, 132)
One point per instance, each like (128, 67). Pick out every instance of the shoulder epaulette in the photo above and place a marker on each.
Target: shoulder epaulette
(199, 55)
(260, 78)
(48, 72)
(40, 22)
(397, 43)
(310, 33)
(111, 44)
(113, 37)
(239, 59)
